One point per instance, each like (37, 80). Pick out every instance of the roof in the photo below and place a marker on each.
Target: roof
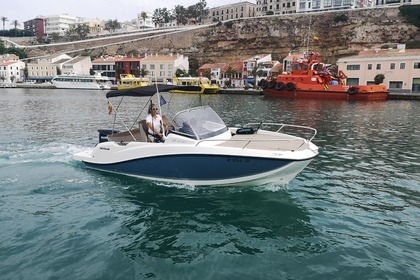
(387, 53)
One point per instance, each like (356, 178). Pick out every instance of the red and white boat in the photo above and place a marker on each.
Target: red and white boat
(310, 78)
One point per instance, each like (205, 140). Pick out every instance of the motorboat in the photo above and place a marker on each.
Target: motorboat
(310, 78)
(128, 81)
(201, 150)
(204, 84)
(73, 81)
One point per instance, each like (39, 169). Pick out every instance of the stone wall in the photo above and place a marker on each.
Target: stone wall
(339, 34)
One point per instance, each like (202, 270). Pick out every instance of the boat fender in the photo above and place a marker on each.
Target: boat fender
(263, 83)
(271, 84)
(290, 86)
(352, 91)
(279, 86)
(245, 130)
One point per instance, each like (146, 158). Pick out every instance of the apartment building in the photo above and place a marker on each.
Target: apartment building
(401, 68)
(238, 10)
(162, 68)
(106, 66)
(44, 69)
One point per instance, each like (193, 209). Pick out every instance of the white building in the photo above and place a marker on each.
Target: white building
(162, 68)
(244, 9)
(146, 22)
(400, 67)
(44, 69)
(80, 65)
(58, 23)
(11, 69)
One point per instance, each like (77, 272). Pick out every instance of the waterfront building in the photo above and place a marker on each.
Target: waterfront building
(79, 65)
(238, 10)
(11, 69)
(400, 66)
(263, 62)
(44, 69)
(162, 68)
(106, 66)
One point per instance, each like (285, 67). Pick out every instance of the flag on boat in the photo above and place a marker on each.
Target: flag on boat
(162, 101)
(109, 108)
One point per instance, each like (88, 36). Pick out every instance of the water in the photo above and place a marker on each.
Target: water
(353, 213)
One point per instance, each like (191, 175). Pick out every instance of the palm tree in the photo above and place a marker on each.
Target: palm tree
(4, 19)
(230, 72)
(143, 72)
(255, 73)
(143, 15)
(15, 23)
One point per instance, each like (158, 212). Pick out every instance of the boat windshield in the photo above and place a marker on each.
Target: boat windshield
(199, 123)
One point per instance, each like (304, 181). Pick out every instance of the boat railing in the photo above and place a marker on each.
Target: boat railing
(260, 144)
(281, 127)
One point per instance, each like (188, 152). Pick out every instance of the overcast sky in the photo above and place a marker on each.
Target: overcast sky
(23, 10)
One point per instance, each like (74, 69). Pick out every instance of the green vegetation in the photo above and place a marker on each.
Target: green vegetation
(411, 14)
(12, 50)
(341, 18)
(379, 78)
(112, 25)
(192, 14)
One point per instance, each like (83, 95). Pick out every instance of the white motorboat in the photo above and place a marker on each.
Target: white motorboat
(201, 150)
(82, 81)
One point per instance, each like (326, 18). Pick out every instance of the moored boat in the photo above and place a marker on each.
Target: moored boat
(128, 81)
(72, 81)
(310, 78)
(202, 82)
(200, 149)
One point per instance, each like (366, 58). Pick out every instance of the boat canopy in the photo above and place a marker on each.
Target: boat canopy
(149, 90)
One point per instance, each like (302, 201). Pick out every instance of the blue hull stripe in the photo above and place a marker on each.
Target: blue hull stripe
(194, 167)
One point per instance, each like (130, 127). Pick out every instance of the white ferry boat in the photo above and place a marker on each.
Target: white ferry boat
(73, 81)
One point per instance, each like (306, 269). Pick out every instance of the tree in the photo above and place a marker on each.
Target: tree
(4, 19)
(180, 14)
(144, 72)
(207, 74)
(112, 25)
(230, 72)
(143, 15)
(15, 23)
(255, 73)
(162, 16)
(379, 78)
(181, 73)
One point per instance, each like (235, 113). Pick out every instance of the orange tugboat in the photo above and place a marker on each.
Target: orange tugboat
(310, 78)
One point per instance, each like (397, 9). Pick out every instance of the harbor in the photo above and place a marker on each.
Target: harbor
(351, 212)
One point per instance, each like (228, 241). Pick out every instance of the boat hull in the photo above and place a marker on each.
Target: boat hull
(198, 168)
(298, 90)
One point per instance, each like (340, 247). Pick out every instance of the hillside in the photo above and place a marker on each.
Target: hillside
(340, 33)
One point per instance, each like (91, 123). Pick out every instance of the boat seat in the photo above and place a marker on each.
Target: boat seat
(126, 136)
(143, 127)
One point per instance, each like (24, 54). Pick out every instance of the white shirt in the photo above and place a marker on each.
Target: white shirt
(155, 122)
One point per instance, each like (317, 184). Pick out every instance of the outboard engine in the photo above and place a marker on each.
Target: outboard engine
(103, 134)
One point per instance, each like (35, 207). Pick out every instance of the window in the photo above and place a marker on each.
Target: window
(152, 67)
(416, 65)
(402, 65)
(378, 67)
(392, 66)
(369, 66)
(352, 81)
(353, 67)
(394, 84)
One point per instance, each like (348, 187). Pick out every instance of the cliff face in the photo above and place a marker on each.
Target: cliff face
(340, 33)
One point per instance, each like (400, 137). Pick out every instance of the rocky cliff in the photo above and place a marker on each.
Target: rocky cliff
(333, 34)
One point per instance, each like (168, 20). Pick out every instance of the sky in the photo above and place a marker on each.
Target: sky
(24, 10)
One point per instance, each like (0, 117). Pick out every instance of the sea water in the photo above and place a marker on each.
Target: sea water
(353, 213)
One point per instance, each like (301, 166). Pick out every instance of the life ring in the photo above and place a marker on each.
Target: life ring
(290, 86)
(352, 90)
(279, 86)
(263, 83)
(271, 84)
